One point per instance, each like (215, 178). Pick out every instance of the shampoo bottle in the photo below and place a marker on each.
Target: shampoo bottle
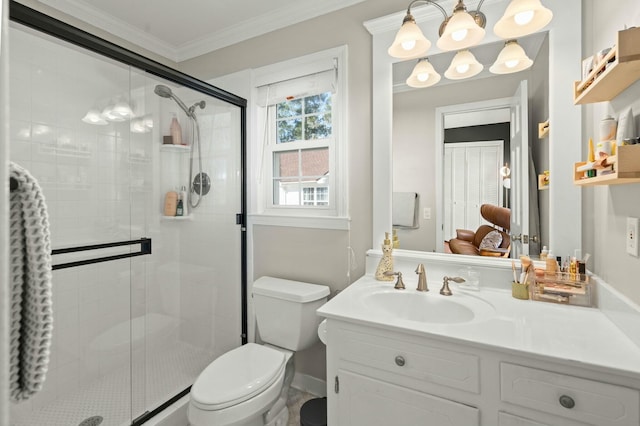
(179, 207)
(386, 263)
(176, 131)
(185, 201)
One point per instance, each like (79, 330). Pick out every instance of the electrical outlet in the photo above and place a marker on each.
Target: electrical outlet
(426, 213)
(632, 236)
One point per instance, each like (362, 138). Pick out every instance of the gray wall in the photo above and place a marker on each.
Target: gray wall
(606, 208)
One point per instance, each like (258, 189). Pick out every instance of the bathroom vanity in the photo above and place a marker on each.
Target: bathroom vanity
(402, 357)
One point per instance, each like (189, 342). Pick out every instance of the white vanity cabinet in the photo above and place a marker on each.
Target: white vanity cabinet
(382, 377)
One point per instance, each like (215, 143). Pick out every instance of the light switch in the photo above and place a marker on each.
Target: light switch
(426, 213)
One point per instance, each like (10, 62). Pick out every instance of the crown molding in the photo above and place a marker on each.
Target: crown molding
(274, 20)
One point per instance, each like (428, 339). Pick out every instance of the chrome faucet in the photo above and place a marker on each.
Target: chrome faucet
(399, 283)
(445, 290)
(422, 278)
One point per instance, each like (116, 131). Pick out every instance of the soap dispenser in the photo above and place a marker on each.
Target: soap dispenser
(176, 131)
(386, 263)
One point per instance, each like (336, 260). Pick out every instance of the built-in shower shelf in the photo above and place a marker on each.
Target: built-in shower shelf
(175, 148)
(187, 217)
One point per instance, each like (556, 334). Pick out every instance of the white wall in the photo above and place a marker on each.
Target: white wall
(4, 218)
(606, 208)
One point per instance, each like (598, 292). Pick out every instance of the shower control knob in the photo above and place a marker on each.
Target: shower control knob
(400, 361)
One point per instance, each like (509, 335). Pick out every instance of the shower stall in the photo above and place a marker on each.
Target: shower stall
(142, 300)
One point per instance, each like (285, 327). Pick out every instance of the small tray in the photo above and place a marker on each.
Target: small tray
(563, 287)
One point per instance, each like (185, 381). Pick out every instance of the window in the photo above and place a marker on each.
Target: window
(301, 106)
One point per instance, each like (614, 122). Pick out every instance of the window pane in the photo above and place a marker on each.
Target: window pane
(285, 164)
(289, 108)
(318, 103)
(317, 126)
(322, 194)
(315, 162)
(289, 130)
(286, 192)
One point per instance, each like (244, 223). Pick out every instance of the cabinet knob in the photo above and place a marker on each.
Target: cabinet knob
(567, 401)
(399, 361)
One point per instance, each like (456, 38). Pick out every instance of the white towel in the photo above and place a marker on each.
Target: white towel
(404, 211)
(30, 279)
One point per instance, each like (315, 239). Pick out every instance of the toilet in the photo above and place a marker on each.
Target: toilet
(248, 386)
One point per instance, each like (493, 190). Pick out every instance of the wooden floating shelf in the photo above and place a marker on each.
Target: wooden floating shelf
(608, 79)
(626, 169)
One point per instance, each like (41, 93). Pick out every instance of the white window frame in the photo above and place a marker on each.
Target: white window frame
(335, 216)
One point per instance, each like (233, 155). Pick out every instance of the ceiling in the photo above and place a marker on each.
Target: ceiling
(183, 29)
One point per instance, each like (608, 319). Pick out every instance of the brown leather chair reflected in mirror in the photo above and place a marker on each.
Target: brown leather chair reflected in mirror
(487, 240)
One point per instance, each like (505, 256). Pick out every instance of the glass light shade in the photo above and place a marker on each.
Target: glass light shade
(463, 65)
(409, 42)
(461, 32)
(522, 17)
(423, 75)
(93, 116)
(109, 115)
(512, 58)
(123, 110)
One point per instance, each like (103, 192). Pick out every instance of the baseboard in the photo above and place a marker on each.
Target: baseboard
(174, 415)
(309, 384)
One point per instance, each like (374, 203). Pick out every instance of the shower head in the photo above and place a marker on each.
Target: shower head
(165, 92)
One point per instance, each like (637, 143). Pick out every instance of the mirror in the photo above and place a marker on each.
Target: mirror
(564, 140)
(467, 123)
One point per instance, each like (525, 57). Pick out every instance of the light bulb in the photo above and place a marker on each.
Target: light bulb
(523, 18)
(423, 76)
(462, 68)
(460, 34)
(409, 44)
(512, 63)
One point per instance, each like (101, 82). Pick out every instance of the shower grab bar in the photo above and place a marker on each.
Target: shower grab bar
(145, 248)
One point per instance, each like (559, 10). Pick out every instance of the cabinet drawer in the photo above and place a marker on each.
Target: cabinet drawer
(505, 419)
(365, 401)
(571, 397)
(406, 359)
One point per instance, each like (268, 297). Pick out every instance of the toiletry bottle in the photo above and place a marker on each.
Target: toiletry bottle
(395, 240)
(170, 203)
(179, 207)
(185, 200)
(176, 131)
(591, 158)
(386, 263)
(544, 253)
(551, 264)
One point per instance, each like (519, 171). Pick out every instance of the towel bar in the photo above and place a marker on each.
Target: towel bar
(145, 248)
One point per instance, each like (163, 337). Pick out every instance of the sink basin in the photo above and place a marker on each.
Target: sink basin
(423, 307)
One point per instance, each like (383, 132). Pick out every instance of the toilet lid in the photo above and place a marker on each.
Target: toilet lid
(237, 376)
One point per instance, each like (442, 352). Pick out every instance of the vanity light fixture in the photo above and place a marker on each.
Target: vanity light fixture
(522, 17)
(463, 65)
(463, 29)
(512, 58)
(423, 75)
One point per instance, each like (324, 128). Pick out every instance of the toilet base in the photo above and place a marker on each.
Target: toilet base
(280, 419)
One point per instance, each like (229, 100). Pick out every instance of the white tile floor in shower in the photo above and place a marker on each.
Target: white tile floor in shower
(109, 397)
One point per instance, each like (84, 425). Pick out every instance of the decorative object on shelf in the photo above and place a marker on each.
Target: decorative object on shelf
(543, 129)
(626, 126)
(463, 30)
(617, 70)
(543, 181)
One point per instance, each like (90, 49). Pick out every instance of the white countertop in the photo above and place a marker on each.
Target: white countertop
(563, 332)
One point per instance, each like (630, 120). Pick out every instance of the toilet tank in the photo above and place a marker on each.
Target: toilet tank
(286, 311)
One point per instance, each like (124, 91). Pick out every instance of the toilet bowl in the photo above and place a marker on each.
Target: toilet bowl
(248, 386)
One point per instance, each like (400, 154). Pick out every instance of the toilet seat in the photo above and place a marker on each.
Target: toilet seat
(237, 376)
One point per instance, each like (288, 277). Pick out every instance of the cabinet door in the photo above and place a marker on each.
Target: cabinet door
(365, 401)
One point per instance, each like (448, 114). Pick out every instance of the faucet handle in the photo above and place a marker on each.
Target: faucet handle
(399, 284)
(422, 278)
(445, 290)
